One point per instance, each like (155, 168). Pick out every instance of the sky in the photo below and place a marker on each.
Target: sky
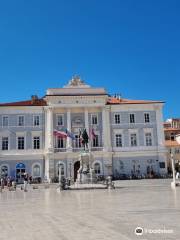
(130, 47)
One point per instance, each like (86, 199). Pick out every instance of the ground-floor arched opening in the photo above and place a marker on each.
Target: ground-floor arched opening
(76, 168)
(20, 170)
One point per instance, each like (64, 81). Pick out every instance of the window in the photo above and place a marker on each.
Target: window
(36, 142)
(60, 142)
(36, 171)
(36, 120)
(162, 164)
(20, 120)
(4, 171)
(146, 118)
(133, 140)
(77, 142)
(5, 143)
(177, 150)
(97, 168)
(96, 141)
(20, 143)
(167, 136)
(117, 118)
(60, 166)
(94, 119)
(60, 120)
(173, 136)
(148, 138)
(132, 118)
(118, 140)
(5, 121)
(121, 165)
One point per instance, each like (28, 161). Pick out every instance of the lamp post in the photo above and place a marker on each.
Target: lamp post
(70, 173)
(174, 183)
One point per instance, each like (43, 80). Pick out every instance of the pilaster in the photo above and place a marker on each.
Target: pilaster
(69, 140)
(87, 125)
(106, 129)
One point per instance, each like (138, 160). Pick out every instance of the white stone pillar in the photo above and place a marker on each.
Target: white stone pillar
(107, 146)
(70, 169)
(49, 162)
(86, 117)
(160, 129)
(49, 130)
(69, 140)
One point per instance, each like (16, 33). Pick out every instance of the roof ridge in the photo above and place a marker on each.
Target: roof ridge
(36, 102)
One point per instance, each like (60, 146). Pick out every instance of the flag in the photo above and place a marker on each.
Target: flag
(60, 134)
(85, 136)
(80, 136)
(70, 134)
(92, 134)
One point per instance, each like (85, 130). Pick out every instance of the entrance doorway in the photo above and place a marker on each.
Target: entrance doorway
(20, 170)
(76, 168)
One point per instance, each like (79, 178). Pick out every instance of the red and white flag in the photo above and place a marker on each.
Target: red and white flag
(92, 133)
(60, 134)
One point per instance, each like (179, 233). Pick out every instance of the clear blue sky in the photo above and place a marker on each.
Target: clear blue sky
(127, 46)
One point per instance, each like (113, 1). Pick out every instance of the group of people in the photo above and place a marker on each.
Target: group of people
(10, 182)
(6, 181)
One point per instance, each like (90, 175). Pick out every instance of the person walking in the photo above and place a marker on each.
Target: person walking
(2, 183)
(9, 183)
(25, 181)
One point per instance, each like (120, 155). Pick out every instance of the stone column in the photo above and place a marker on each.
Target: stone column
(70, 169)
(69, 140)
(86, 117)
(49, 161)
(106, 129)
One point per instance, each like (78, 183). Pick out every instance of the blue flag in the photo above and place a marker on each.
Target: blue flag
(70, 134)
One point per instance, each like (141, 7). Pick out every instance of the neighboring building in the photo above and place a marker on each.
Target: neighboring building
(171, 130)
(129, 133)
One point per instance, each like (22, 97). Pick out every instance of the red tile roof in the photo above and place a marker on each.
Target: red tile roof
(37, 102)
(113, 100)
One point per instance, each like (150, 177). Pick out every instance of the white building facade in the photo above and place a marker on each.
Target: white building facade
(129, 134)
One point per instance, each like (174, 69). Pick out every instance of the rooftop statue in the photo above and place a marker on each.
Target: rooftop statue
(76, 81)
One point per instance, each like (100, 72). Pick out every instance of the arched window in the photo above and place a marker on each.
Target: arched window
(121, 165)
(97, 168)
(4, 171)
(36, 171)
(60, 166)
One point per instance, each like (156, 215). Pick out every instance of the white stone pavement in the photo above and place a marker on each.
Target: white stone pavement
(45, 214)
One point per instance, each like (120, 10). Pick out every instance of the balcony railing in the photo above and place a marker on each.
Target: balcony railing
(77, 149)
(93, 149)
(59, 150)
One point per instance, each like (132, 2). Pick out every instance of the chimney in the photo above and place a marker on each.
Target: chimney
(34, 98)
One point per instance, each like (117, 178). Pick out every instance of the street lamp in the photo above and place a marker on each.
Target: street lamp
(173, 183)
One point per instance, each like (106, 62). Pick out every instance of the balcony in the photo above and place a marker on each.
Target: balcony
(95, 149)
(56, 150)
(77, 149)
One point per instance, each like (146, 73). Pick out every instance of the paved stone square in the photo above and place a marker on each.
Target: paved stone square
(92, 214)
